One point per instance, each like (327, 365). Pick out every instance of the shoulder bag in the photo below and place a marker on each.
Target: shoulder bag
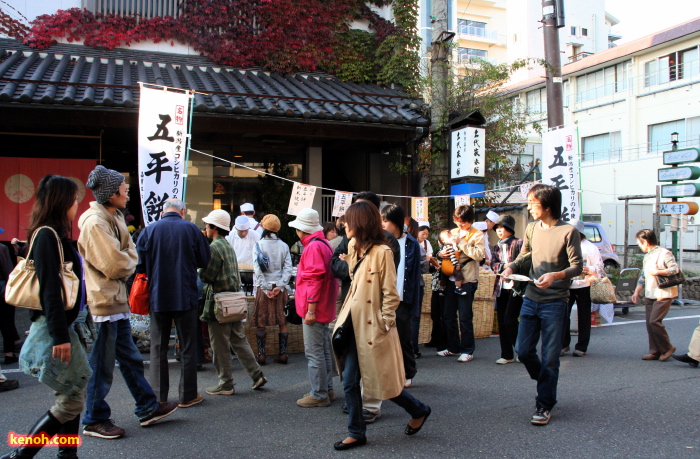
(290, 312)
(138, 297)
(669, 281)
(342, 334)
(263, 260)
(602, 291)
(23, 285)
(230, 307)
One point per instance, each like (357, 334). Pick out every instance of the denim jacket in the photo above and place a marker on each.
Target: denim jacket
(35, 360)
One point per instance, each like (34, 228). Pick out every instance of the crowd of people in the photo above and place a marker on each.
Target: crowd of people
(358, 288)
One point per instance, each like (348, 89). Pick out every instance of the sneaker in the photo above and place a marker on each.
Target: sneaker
(564, 351)
(261, 381)
(103, 429)
(163, 410)
(541, 417)
(369, 416)
(503, 361)
(460, 291)
(578, 353)
(221, 389)
(331, 395)
(446, 353)
(465, 358)
(309, 402)
(408, 383)
(193, 402)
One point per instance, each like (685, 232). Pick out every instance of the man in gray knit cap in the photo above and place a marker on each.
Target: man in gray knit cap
(110, 258)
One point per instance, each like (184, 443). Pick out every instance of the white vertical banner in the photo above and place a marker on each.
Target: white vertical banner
(341, 203)
(162, 144)
(560, 168)
(419, 209)
(302, 198)
(468, 152)
(525, 189)
(462, 200)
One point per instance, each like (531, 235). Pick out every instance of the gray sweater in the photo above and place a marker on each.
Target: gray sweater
(553, 249)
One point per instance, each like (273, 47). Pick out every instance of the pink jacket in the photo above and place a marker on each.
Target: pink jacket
(315, 282)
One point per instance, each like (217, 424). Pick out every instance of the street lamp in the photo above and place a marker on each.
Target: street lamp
(674, 141)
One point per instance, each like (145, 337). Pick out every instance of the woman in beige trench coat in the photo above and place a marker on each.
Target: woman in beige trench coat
(373, 353)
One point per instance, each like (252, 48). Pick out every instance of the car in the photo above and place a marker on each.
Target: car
(596, 234)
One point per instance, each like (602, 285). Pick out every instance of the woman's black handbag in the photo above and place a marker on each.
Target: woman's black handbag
(670, 281)
(342, 337)
(290, 313)
(262, 259)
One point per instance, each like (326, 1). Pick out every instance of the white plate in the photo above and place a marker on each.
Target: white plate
(517, 277)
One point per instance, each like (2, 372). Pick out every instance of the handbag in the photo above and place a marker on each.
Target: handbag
(23, 285)
(290, 312)
(230, 307)
(263, 260)
(670, 281)
(138, 297)
(602, 291)
(342, 336)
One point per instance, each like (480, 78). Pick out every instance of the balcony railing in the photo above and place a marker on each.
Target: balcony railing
(463, 59)
(478, 32)
(143, 8)
(634, 152)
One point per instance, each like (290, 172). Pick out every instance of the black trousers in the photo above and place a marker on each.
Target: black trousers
(7, 325)
(403, 326)
(438, 336)
(582, 298)
(508, 311)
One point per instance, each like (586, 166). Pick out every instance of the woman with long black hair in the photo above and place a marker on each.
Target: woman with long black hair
(52, 350)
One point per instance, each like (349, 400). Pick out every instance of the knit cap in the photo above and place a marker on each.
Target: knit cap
(104, 183)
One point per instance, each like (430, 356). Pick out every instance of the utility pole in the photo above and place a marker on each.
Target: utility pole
(553, 20)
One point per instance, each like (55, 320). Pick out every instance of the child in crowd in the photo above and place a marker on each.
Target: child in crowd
(448, 244)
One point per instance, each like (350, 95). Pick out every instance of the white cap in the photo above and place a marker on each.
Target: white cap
(578, 224)
(424, 224)
(481, 226)
(493, 216)
(307, 221)
(242, 223)
(247, 207)
(219, 218)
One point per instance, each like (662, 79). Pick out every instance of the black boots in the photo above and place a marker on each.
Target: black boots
(47, 424)
(260, 336)
(282, 357)
(69, 428)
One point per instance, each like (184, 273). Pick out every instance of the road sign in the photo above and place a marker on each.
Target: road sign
(678, 173)
(686, 155)
(680, 190)
(671, 208)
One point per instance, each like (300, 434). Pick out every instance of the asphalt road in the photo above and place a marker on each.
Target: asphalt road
(611, 404)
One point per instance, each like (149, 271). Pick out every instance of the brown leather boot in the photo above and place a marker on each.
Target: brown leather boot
(282, 356)
(260, 337)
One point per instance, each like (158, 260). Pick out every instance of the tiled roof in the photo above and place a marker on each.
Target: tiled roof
(78, 75)
(581, 66)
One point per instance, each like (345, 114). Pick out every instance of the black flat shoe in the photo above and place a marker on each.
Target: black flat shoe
(411, 431)
(11, 359)
(685, 358)
(340, 446)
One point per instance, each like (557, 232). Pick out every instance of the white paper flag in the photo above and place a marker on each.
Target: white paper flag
(462, 200)
(560, 168)
(419, 209)
(162, 144)
(524, 189)
(341, 203)
(302, 198)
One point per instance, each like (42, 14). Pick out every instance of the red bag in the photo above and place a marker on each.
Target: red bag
(138, 298)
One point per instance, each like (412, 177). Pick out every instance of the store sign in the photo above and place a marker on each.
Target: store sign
(678, 173)
(680, 190)
(672, 208)
(468, 152)
(302, 198)
(687, 155)
(560, 168)
(162, 139)
(341, 203)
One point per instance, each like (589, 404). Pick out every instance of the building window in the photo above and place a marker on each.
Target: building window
(537, 101)
(601, 147)
(671, 67)
(573, 31)
(688, 134)
(468, 27)
(470, 55)
(584, 32)
(602, 83)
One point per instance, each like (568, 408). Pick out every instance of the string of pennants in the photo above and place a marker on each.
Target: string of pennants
(303, 194)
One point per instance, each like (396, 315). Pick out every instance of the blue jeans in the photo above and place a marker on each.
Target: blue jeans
(463, 303)
(547, 318)
(317, 347)
(353, 395)
(114, 342)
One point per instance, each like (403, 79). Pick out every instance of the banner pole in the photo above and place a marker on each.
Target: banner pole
(187, 150)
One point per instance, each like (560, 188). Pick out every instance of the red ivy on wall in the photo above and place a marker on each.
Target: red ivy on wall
(279, 35)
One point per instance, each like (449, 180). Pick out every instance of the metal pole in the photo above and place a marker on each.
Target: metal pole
(657, 217)
(555, 107)
(534, 167)
(627, 230)
(680, 258)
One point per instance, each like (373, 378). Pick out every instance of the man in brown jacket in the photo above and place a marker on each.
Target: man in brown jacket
(110, 258)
